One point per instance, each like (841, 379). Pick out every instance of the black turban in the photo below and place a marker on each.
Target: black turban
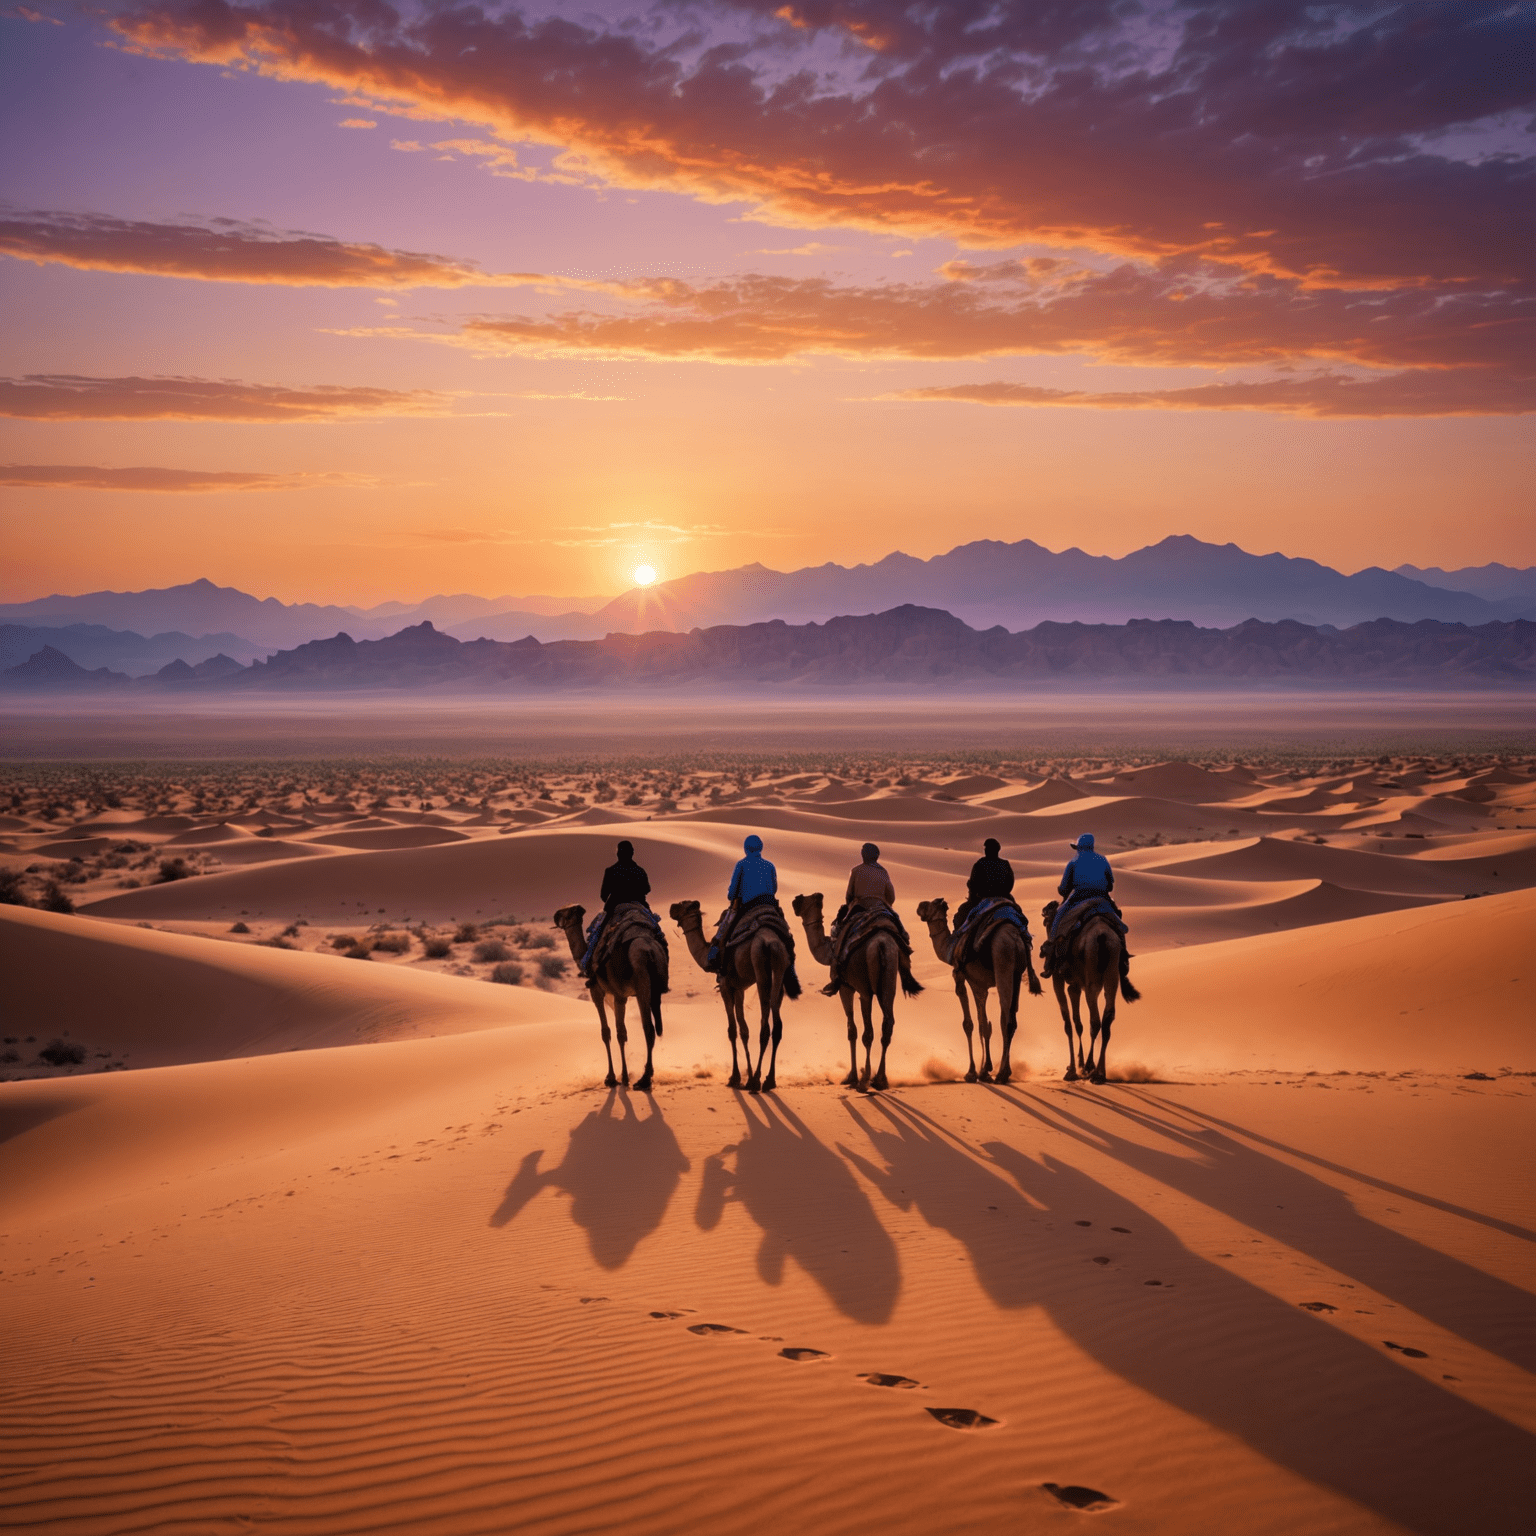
(869, 853)
(626, 850)
(991, 847)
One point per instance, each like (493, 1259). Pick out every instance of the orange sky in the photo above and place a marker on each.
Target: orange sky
(701, 312)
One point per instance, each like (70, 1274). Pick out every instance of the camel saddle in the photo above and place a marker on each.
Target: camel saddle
(852, 927)
(628, 920)
(981, 922)
(753, 919)
(1078, 913)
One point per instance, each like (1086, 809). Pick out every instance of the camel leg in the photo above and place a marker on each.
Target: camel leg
(1075, 992)
(887, 1029)
(969, 1027)
(1111, 994)
(985, 1024)
(852, 1080)
(763, 975)
(623, 1034)
(771, 1081)
(1091, 993)
(1007, 1010)
(643, 1005)
(867, 1008)
(728, 997)
(602, 1018)
(1070, 1075)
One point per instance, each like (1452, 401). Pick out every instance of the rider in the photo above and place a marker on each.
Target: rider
(991, 876)
(623, 882)
(1085, 876)
(753, 880)
(868, 884)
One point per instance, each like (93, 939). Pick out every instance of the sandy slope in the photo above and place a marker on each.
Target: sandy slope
(371, 1249)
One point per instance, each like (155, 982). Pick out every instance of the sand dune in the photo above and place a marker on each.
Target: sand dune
(389, 837)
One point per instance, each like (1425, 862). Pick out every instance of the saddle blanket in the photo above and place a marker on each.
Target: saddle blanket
(753, 919)
(1072, 916)
(979, 923)
(608, 930)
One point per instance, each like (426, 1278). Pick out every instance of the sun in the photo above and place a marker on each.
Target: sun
(644, 575)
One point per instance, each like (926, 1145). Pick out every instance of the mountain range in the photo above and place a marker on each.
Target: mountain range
(904, 647)
(987, 583)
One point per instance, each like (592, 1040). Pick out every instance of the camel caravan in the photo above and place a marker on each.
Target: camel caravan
(622, 955)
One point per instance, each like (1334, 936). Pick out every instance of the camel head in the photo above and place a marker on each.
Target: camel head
(567, 916)
(935, 911)
(808, 908)
(1048, 911)
(682, 912)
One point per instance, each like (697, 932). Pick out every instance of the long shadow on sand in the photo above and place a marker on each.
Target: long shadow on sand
(810, 1208)
(1315, 1218)
(620, 1170)
(1303, 1394)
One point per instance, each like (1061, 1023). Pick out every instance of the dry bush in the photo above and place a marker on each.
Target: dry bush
(392, 943)
(62, 1053)
(553, 966)
(172, 869)
(240, 928)
(509, 973)
(437, 949)
(467, 934)
(540, 941)
(343, 941)
(488, 950)
(11, 893)
(278, 941)
(54, 900)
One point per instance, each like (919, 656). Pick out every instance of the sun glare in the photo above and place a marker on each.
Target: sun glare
(644, 575)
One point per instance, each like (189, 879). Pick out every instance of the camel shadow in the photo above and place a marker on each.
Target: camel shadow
(810, 1209)
(1306, 1396)
(620, 1171)
(1294, 1207)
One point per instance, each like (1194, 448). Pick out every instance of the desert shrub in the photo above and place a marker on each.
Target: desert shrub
(357, 953)
(278, 941)
(343, 941)
(553, 966)
(11, 893)
(467, 934)
(437, 949)
(488, 950)
(172, 869)
(240, 928)
(392, 943)
(10, 1056)
(62, 1053)
(291, 931)
(540, 941)
(509, 973)
(54, 900)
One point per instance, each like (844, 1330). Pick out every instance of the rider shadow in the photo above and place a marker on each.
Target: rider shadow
(1306, 1396)
(620, 1172)
(810, 1209)
(1315, 1218)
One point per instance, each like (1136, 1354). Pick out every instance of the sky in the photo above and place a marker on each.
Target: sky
(351, 300)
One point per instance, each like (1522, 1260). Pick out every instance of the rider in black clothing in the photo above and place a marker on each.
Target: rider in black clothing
(990, 876)
(623, 882)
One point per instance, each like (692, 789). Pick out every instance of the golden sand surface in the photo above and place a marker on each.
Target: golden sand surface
(326, 1232)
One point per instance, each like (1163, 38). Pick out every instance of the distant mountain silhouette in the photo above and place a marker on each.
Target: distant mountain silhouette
(1494, 582)
(986, 583)
(1023, 584)
(94, 645)
(53, 672)
(904, 648)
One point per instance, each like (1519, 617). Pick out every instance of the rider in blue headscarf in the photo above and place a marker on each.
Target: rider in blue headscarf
(1087, 875)
(753, 880)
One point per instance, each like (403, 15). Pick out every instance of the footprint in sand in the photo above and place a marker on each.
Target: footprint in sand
(1316, 1306)
(587, 1301)
(961, 1418)
(881, 1379)
(1075, 1496)
(805, 1354)
(1120, 1229)
(683, 1313)
(1082, 1223)
(704, 1330)
(1101, 1261)
(1403, 1349)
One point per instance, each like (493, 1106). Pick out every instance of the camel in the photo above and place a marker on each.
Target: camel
(1003, 963)
(635, 968)
(1089, 964)
(871, 971)
(763, 962)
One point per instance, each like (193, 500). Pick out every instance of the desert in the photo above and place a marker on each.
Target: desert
(1274, 1272)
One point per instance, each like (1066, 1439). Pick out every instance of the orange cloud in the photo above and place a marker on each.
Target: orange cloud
(91, 477)
(70, 397)
(1260, 136)
(1464, 352)
(229, 251)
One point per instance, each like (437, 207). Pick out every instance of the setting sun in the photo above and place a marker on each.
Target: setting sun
(644, 575)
